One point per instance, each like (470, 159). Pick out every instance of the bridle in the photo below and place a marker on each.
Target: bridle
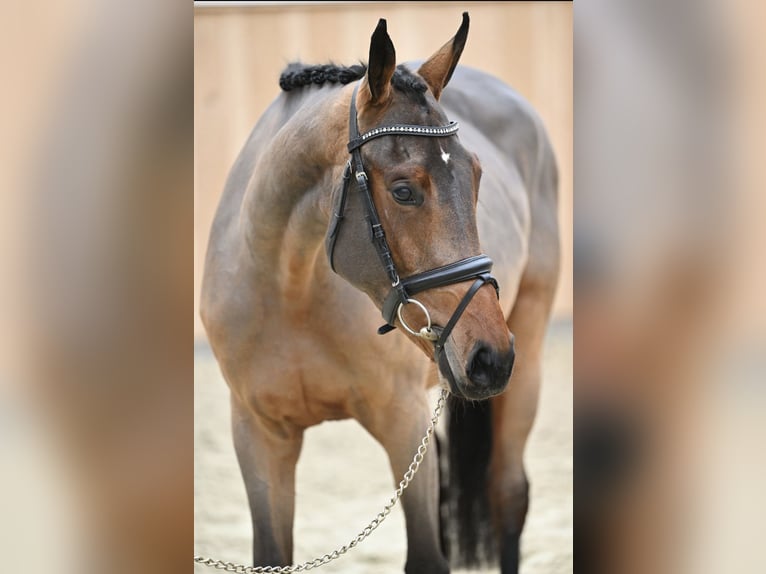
(477, 267)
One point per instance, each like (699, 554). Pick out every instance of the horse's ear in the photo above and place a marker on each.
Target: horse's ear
(437, 70)
(381, 65)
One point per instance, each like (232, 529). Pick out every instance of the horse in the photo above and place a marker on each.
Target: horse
(355, 194)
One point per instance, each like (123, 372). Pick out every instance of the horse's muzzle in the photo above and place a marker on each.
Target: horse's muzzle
(487, 369)
(486, 373)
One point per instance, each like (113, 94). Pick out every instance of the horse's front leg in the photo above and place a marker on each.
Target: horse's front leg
(400, 427)
(267, 453)
(513, 414)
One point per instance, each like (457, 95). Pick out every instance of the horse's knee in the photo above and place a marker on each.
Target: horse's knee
(267, 462)
(510, 498)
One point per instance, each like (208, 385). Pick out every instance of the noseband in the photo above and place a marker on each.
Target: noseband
(477, 267)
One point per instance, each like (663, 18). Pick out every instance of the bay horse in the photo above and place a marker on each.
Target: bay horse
(354, 194)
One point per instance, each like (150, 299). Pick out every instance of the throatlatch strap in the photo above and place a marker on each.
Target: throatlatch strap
(338, 213)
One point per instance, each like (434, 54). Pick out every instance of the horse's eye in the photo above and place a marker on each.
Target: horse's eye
(404, 195)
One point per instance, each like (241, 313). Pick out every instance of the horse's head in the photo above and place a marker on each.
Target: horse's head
(424, 191)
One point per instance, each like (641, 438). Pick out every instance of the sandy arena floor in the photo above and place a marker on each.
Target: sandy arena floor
(344, 480)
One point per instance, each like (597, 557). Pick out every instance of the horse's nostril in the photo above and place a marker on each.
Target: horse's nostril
(483, 359)
(487, 367)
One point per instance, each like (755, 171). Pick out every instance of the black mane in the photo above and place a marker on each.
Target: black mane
(298, 75)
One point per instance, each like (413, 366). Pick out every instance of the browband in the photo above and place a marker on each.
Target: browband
(403, 130)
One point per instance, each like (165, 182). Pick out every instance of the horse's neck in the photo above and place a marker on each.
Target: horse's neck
(287, 208)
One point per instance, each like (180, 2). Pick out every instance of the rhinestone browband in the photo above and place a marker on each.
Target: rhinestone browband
(403, 129)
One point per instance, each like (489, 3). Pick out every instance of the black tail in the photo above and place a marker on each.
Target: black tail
(468, 539)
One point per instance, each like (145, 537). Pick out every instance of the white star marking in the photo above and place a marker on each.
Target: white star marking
(445, 156)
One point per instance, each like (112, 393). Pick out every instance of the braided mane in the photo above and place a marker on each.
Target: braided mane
(298, 75)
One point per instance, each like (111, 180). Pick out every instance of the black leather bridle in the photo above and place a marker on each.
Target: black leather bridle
(476, 267)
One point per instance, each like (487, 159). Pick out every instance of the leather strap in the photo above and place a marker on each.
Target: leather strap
(403, 130)
(456, 272)
(337, 216)
(440, 358)
(472, 290)
(377, 235)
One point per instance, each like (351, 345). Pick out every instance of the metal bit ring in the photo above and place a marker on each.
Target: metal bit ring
(425, 332)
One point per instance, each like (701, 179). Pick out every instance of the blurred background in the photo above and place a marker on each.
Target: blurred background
(96, 364)
(343, 474)
(669, 281)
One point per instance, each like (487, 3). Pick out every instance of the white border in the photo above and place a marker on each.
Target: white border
(252, 4)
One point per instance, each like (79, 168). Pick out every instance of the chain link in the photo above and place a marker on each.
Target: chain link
(365, 532)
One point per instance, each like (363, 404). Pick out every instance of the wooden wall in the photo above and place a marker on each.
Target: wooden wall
(240, 51)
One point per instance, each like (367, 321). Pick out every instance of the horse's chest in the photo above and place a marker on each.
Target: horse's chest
(308, 376)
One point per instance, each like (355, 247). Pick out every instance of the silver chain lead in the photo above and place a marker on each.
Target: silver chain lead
(366, 531)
